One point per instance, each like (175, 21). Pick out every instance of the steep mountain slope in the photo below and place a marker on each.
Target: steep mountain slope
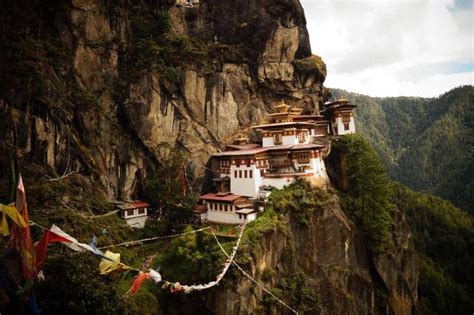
(427, 144)
(444, 237)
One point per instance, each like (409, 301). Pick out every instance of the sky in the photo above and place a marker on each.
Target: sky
(393, 47)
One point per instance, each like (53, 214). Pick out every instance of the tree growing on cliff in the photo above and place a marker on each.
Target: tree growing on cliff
(166, 187)
(366, 189)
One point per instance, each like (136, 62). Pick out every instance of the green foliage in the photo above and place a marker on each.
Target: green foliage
(154, 46)
(76, 280)
(85, 100)
(265, 223)
(198, 256)
(426, 143)
(148, 29)
(154, 228)
(165, 188)
(311, 64)
(297, 290)
(445, 236)
(299, 200)
(439, 293)
(366, 190)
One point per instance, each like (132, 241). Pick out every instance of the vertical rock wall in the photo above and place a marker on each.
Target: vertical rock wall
(117, 138)
(331, 256)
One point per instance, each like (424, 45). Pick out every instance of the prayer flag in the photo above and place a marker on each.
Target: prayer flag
(70, 241)
(111, 262)
(56, 235)
(21, 236)
(12, 213)
(138, 282)
(42, 247)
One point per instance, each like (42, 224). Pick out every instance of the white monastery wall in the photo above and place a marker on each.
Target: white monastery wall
(245, 186)
(317, 165)
(229, 217)
(289, 140)
(137, 222)
(340, 126)
(267, 142)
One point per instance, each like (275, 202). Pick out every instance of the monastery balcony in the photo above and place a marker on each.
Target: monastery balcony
(289, 168)
(287, 174)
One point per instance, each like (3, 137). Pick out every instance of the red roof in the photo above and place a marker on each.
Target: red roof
(198, 209)
(288, 124)
(217, 197)
(339, 101)
(339, 106)
(139, 204)
(307, 146)
(242, 152)
(242, 147)
(298, 117)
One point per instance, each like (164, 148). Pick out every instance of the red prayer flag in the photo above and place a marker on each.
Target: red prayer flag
(42, 247)
(21, 236)
(138, 282)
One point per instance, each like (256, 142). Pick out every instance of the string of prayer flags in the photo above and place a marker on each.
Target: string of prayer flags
(177, 287)
(56, 235)
(111, 262)
(151, 274)
(13, 214)
(190, 288)
(21, 236)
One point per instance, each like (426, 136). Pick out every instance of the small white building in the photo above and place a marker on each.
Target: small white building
(228, 208)
(342, 119)
(134, 213)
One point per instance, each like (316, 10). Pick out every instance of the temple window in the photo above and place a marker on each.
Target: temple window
(277, 138)
(301, 137)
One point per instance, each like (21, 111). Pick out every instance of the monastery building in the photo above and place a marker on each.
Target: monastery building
(293, 146)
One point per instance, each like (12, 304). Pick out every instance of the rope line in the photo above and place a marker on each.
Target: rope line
(250, 277)
(90, 216)
(190, 288)
(153, 238)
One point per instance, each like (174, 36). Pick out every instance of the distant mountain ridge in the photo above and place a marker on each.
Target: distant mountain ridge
(425, 143)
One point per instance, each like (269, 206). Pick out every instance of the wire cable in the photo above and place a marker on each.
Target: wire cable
(251, 278)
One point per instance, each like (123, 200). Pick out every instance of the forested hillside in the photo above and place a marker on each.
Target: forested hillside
(425, 143)
(443, 234)
(444, 238)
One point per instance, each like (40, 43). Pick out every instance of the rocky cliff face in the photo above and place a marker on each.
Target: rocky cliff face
(84, 106)
(328, 260)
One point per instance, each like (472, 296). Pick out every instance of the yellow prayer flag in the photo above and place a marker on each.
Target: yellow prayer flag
(4, 227)
(113, 263)
(13, 213)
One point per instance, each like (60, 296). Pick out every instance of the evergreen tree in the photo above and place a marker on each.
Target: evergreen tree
(366, 189)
